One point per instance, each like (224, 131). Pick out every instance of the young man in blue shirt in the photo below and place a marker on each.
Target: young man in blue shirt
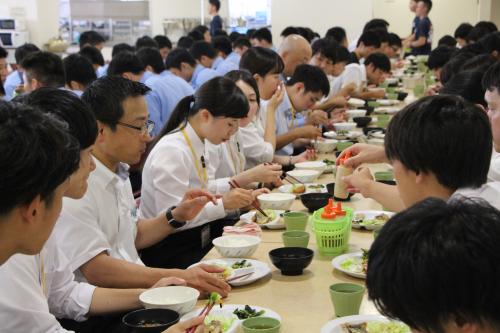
(15, 79)
(213, 10)
(421, 41)
(205, 55)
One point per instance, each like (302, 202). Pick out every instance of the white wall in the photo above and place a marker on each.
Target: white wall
(495, 11)
(320, 15)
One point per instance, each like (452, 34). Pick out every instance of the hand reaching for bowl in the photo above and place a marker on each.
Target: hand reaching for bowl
(202, 277)
(318, 117)
(237, 198)
(307, 132)
(183, 326)
(363, 153)
(192, 203)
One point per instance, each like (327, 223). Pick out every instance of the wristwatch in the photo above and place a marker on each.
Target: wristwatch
(170, 219)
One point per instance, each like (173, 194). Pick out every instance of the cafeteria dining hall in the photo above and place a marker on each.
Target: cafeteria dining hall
(264, 166)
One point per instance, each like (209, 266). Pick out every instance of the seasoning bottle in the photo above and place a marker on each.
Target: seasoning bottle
(342, 171)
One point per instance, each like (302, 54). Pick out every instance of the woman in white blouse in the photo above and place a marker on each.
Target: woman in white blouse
(178, 162)
(259, 137)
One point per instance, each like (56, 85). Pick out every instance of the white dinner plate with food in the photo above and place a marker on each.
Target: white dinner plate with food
(330, 166)
(352, 264)
(237, 267)
(275, 220)
(387, 102)
(342, 135)
(356, 102)
(229, 318)
(387, 110)
(364, 324)
(370, 219)
(299, 189)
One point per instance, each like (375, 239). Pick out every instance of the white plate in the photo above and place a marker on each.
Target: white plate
(335, 326)
(228, 309)
(356, 102)
(387, 110)
(349, 135)
(377, 134)
(337, 264)
(287, 188)
(387, 102)
(369, 214)
(277, 223)
(260, 270)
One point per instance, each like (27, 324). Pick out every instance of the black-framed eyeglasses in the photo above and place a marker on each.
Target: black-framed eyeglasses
(147, 128)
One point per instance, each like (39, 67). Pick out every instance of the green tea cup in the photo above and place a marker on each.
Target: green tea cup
(346, 298)
(261, 325)
(419, 90)
(296, 221)
(383, 120)
(373, 104)
(392, 96)
(342, 145)
(295, 238)
(384, 175)
(390, 90)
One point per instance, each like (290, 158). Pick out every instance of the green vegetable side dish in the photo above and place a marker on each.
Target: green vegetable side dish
(248, 312)
(220, 322)
(329, 162)
(379, 220)
(377, 327)
(241, 264)
(356, 264)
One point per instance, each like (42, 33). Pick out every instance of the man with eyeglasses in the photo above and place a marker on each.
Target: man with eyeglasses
(103, 245)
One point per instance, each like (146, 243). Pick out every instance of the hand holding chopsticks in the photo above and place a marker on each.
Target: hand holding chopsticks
(235, 185)
(213, 299)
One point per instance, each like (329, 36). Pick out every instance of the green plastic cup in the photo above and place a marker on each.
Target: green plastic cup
(261, 325)
(346, 298)
(390, 90)
(295, 238)
(296, 221)
(419, 90)
(342, 145)
(373, 104)
(384, 175)
(383, 120)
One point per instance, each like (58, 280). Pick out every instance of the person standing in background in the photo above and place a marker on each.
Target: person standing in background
(213, 10)
(421, 40)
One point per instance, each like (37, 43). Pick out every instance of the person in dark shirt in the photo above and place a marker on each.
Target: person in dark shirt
(213, 10)
(422, 37)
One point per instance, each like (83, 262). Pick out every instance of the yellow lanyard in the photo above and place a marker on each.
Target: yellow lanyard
(201, 175)
(41, 275)
(236, 158)
(292, 124)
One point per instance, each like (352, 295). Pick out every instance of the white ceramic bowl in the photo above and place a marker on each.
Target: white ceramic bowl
(304, 176)
(325, 146)
(344, 126)
(178, 298)
(316, 165)
(356, 113)
(392, 80)
(236, 246)
(356, 102)
(276, 201)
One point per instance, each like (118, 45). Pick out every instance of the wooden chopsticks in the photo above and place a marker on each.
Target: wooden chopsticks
(235, 185)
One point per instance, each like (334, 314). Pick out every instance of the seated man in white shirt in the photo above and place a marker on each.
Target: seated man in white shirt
(373, 72)
(304, 89)
(103, 245)
(46, 279)
(439, 146)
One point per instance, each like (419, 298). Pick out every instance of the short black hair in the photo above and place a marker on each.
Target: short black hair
(428, 4)
(479, 63)
(394, 40)
(93, 55)
(491, 79)
(121, 47)
(145, 41)
(151, 56)
(337, 33)
(383, 35)
(66, 106)
(47, 68)
(476, 34)
(241, 42)
(289, 31)
(370, 38)
(37, 153)
(466, 84)
(442, 261)
(233, 36)
(79, 69)
(220, 32)
(376, 24)
(215, 3)
(177, 56)
(185, 42)
(263, 34)
(196, 35)
(452, 67)
(313, 78)
(491, 42)
(250, 32)
(447, 40)
(379, 61)
(3, 53)
(202, 48)
(307, 33)
(440, 56)
(222, 44)
(125, 62)
(488, 25)
(163, 42)
(463, 30)
(91, 38)
(262, 61)
(201, 28)
(444, 135)
(23, 50)
(105, 97)
(330, 49)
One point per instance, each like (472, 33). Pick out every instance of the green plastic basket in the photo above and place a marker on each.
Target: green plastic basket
(332, 237)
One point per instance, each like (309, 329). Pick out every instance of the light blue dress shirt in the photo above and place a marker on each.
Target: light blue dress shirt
(166, 91)
(226, 66)
(102, 71)
(201, 75)
(234, 57)
(285, 122)
(217, 62)
(13, 80)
